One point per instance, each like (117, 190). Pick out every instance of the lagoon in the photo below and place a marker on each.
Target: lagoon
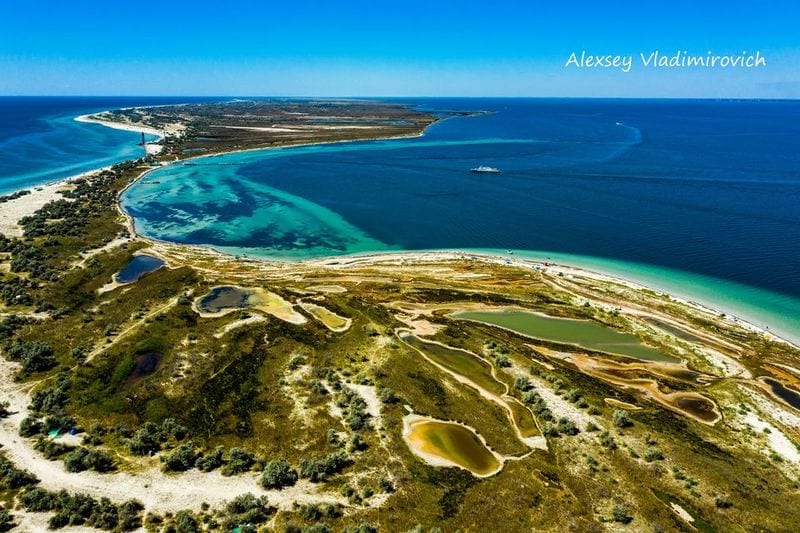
(584, 333)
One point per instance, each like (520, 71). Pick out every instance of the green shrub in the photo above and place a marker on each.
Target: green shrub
(147, 440)
(278, 474)
(6, 520)
(621, 514)
(653, 454)
(171, 427)
(622, 419)
(321, 469)
(239, 460)
(180, 459)
(35, 356)
(502, 361)
(522, 383)
(607, 440)
(567, 426)
(388, 396)
(210, 461)
(12, 477)
(247, 509)
(722, 502)
(363, 527)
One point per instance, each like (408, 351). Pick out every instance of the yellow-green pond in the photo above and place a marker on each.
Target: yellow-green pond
(583, 333)
(442, 443)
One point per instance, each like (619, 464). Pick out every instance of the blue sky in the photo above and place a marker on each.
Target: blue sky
(387, 48)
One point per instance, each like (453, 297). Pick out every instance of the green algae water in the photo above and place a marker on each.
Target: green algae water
(454, 444)
(775, 312)
(458, 361)
(584, 333)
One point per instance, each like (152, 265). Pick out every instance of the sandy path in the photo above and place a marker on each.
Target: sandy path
(103, 347)
(12, 211)
(157, 491)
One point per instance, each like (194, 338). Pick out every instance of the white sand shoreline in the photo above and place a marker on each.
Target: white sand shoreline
(92, 119)
(151, 148)
(12, 211)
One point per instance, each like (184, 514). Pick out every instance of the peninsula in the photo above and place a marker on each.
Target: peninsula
(175, 388)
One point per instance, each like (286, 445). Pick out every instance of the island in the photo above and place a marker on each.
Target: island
(175, 388)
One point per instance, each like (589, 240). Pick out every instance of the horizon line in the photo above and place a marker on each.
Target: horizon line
(331, 97)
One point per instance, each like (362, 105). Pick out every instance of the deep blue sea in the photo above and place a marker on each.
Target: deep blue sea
(701, 198)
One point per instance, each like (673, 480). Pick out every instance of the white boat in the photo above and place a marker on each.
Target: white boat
(490, 170)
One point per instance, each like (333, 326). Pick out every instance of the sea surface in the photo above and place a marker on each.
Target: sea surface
(698, 198)
(41, 142)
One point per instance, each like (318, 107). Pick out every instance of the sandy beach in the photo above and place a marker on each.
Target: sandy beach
(152, 148)
(13, 211)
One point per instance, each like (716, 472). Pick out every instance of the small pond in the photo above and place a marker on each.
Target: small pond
(224, 298)
(449, 444)
(137, 267)
(143, 365)
(698, 407)
(584, 333)
(790, 396)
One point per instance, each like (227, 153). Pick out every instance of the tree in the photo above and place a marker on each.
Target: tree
(278, 474)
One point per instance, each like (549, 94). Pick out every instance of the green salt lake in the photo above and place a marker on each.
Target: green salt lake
(583, 333)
